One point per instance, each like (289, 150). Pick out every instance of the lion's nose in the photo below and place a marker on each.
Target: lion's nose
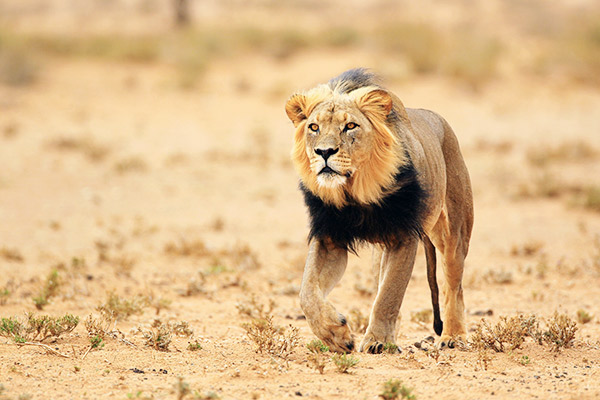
(326, 153)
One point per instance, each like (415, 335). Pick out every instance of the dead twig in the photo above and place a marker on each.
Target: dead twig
(45, 347)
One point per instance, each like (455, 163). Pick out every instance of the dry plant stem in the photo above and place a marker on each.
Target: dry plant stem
(86, 352)
(44, 346)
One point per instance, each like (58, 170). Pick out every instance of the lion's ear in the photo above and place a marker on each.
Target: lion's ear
(296, 108)
(377, 102)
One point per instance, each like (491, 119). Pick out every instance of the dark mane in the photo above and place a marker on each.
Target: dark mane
(397, 216)
(357, 78)
(353, 79)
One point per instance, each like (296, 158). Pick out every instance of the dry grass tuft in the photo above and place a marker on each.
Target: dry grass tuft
(358, 321)
(87, 146)
(583, 317)
(159, 336)
(576, 151)
(49, 289)
(317, 355)
(4, 295)
(117, 308)
(561, 331)
(271, 339)
(11, 254)
(422, 317)
(130, 164)
(185, 248)
(498, 277)
(510, 333)
(527, 249)
(253, 308)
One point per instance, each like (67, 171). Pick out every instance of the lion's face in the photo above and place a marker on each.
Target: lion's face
(338, 139)
(343, 147)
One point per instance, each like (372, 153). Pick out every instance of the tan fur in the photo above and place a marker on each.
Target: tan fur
(366, 167)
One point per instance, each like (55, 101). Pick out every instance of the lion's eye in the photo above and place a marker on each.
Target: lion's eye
(350, 126)
(314, 127)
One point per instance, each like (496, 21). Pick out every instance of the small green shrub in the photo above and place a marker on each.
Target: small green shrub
(97, 342)
(394, 389)
(116, 308)
(49, 289)
(344, 362)
(37, 328)
(317, 355)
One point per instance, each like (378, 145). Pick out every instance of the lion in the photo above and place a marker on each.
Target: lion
(372, 171)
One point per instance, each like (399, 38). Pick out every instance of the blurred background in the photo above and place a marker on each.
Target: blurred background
(171, 111)
(471, 43)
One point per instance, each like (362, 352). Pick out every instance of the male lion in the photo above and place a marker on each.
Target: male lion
(373, 171)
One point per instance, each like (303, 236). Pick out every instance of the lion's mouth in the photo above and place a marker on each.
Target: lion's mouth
(327, 170)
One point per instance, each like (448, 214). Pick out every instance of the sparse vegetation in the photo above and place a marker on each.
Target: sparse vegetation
(507, 335)
(194, 346)
(131, 164)
(422, 317)
(498, 277)
(185, 248)
(157, 302)
(49, 289)
(85, 145)
(159, 336)
(37, 328)
(358, 321)
(575, 151)
(317, 357)
(344, 362)
(96, 342)
(11, 254)
(182, 388)
(394, 389)
(253, 308)
(527, 249)
(391, 348)
(117, 308)
(271, 339)
(561, 331)
(510, 333)
(4, 295)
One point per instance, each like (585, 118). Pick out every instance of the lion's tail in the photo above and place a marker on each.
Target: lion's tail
(433, 286)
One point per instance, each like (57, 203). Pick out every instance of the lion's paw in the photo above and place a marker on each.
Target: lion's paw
(372, 346)
(450, 342)
(336, 334)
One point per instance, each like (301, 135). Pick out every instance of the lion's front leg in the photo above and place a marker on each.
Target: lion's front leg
(325, 266)
(395, 270)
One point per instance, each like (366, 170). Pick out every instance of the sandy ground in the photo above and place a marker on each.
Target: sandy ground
(113, 165)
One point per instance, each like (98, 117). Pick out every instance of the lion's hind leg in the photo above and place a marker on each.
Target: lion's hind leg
(453, 250)
(433, 286)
